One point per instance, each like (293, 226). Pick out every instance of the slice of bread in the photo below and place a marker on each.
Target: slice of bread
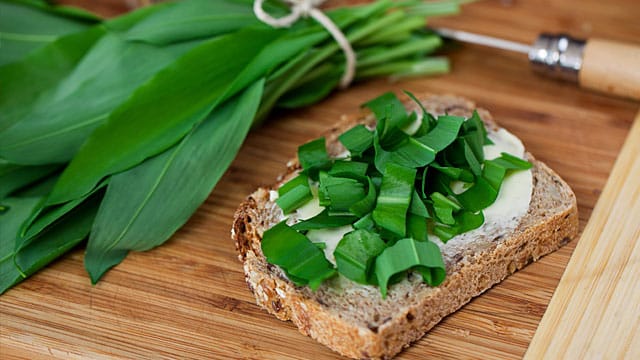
(353, 319)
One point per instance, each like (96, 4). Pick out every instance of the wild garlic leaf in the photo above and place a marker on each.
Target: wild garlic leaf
(454, 173)
(312, 89)
(422, 256)
(417, 227)
(340, 193)
(44, 216)
(313, 157)
(303, 261)
(350, 169)
(26, 27)
(464, 221)
(285, 45)
(366, 204)
(478, 196)
(14, 177)
(59, 238)
(356, 254)
(193, 19)
(444, 208)
(15, 211)
(418, 151)
(61, 10)
(35, 81)
(484, 191)
(394, 198)
(145, 205)
(45, 131)
(357, 140)
(388, 107)
(324, 220)
(426, 45)
(133, 133)
(417, 206)
(295, 193)
(23, 81)
(365, 223)
(413, 153)
(444, 133)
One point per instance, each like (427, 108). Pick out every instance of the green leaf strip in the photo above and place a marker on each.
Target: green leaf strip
(303, 261)
(295, 193)
(356, 254)
(422, 256)
(324, 220)
(394, 199)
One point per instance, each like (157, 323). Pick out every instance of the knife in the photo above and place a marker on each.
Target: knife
(601, 65)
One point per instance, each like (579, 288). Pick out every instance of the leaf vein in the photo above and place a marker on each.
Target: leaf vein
(152, 190)
(58, 132)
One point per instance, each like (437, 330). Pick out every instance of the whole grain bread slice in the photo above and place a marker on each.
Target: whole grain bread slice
(353, 319)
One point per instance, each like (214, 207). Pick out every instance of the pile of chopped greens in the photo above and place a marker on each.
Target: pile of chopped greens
(394, 188)
(117, 130)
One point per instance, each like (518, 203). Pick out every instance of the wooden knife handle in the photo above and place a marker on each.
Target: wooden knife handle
(611, 67)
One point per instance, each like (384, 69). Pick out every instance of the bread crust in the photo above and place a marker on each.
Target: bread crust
(337, 319)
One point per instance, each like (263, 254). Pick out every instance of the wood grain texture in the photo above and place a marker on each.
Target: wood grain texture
(595, 311)
(188, 299)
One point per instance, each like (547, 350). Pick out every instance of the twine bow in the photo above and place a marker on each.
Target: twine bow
(309, 8)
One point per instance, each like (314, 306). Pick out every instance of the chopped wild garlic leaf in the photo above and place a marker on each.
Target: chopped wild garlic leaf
(394, 198)
(313, 157)
(297, 255)
(294, 194)
(356, 253)
(387, 193)
(422, 256)
(357, 140)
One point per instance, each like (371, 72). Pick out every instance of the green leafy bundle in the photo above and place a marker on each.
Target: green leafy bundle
(391, 191)
(117, 130)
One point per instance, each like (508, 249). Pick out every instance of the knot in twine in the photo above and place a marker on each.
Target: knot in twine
(309, 8)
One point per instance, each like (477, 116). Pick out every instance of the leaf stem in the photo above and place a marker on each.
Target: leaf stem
(396, 33)
(425, 45)
(402, 69)
(278, 87)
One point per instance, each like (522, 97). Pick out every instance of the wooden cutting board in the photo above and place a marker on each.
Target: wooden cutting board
(188, 298)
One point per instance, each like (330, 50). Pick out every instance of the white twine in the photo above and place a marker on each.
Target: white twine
(306, 8)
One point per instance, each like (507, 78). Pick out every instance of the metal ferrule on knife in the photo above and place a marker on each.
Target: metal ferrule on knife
(559, 56)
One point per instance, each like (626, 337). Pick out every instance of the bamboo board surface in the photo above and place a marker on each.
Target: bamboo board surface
(598, 298)
(188, 298)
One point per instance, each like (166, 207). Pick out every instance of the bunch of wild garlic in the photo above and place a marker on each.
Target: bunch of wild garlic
(117, 130)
